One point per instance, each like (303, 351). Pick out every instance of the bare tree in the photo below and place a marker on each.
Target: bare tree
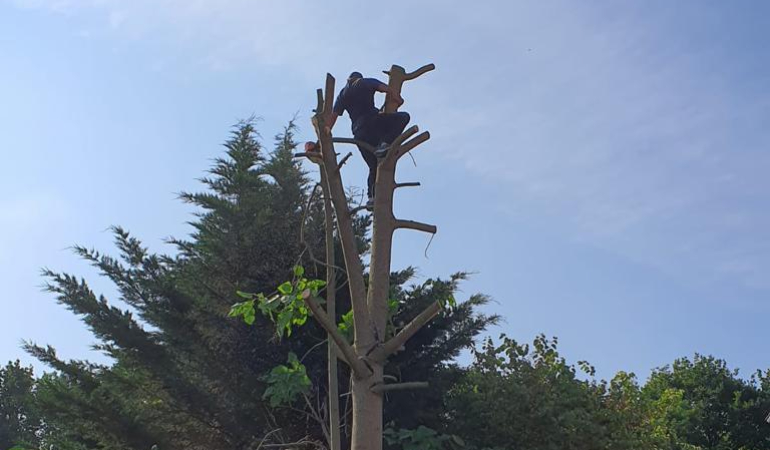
(371, 347)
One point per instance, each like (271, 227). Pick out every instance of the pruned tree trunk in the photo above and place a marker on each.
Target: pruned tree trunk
(331, 311)
(371, 348)
(367, 410)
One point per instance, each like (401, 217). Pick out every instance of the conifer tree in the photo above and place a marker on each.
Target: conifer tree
(19, 420)
(185, 375)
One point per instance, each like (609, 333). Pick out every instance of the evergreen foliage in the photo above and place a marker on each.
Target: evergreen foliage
(185, 374)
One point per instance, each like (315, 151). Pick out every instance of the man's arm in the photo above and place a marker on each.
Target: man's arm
(382, 87)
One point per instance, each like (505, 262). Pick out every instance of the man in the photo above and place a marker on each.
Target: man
(368, 124)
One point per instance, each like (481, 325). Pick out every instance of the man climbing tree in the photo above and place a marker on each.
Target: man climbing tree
(374, 342)
(369, 125)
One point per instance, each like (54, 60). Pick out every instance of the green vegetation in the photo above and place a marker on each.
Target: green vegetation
(186, 374)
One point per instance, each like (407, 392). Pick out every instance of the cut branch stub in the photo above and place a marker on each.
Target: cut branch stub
(401, 146)
(345, 159)
(397, 75)
(319, 101)
(396, 342)
(411, 144)
(409, 132)
(329, 98)
(312, 156)
(418, 226)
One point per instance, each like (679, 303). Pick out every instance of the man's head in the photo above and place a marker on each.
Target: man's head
(354, 76)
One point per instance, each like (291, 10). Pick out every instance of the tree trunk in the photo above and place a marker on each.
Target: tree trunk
(331, 300)
(367, 412)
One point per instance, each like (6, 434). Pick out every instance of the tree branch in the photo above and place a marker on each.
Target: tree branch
(329, 91)
(319, 101)
(312, 156)
(358, 366)
(409, 184)
(418, 226)
(395, 343)
(397, 75)
(380, 388)
(416, 73)
(344, 160)
(362, 144)
(408, 146)
(405, 135)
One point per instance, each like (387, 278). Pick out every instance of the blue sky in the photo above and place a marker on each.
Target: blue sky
(600, 165)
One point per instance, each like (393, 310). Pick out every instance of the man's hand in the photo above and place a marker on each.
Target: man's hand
(311, 147)
(390, 93)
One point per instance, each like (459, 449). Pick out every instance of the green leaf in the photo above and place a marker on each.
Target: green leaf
(286, 288)
(245, 310)
(286, 383)
(299, 271)
(283, 322)
(315, 286)
(346, 326)
(286, 309)
(250, 316)
(246, 295)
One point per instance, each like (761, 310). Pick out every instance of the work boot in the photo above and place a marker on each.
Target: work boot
(381, 150)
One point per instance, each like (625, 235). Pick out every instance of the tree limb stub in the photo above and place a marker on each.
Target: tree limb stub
(424, 69)
(345, 159)
(319, 101)
(418, 226)
(395, 343)
(329, 91)
(397, 75)
(358, 366)
(312, 156)
(380, 388)
(409, 184)
(411, 144)
(409, 132)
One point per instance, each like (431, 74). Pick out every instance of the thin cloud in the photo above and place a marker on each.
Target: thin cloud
(606, 120)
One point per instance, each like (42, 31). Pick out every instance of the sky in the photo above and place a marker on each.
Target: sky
(600, 166)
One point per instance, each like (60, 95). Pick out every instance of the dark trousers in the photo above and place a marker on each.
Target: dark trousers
(382, 128)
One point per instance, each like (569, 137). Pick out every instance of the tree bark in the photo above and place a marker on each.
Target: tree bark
(367, 412)
(331, 311)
